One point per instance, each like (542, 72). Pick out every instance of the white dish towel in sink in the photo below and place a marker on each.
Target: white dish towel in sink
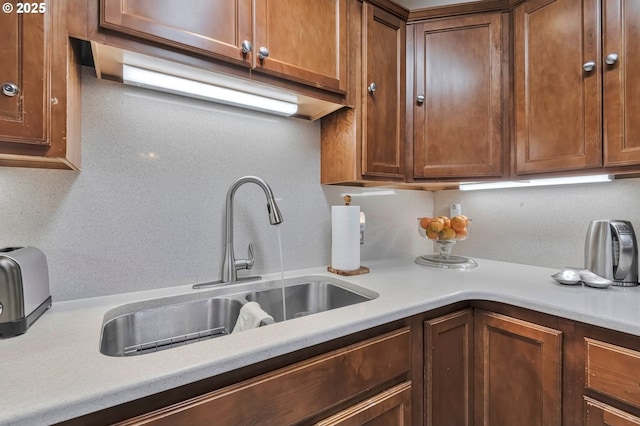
(251, 316)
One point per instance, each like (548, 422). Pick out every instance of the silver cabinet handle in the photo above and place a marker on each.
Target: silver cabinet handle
(372, 88)
(611, 58)
(263, 53)
(246, 46)
(9, 89)
(589, 66)
(420, 99)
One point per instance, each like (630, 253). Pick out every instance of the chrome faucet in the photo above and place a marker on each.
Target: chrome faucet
(231, 265)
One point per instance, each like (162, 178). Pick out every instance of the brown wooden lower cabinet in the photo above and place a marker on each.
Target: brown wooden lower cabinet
(597, 413)
(389, 408)
(518, 372)
(448, 370)
(472, 363)
(613, 370)
(486, 368)
(296, 393)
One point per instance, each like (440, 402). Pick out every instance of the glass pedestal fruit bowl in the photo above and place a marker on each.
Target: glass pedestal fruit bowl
(445, 232)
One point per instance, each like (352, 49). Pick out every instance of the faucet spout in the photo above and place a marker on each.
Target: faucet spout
(230, 265)
(275, 217)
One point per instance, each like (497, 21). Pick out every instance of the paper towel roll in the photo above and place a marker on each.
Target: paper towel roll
(345, 237)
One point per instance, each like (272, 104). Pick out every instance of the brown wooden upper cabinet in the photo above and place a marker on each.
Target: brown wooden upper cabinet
(366, 143)
(621, 56)
(458, 97)
(39, 99)
(562, 57)
(22, 70)
(383, 105)
(300, 40)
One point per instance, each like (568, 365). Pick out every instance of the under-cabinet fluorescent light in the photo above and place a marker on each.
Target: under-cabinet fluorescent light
(535, 182)
(371, 193)
(182, 86)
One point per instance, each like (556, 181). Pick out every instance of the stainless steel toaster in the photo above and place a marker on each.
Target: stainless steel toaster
(24, 289)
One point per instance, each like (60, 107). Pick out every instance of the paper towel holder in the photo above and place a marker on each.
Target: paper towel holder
(363, 219)
(362, 269)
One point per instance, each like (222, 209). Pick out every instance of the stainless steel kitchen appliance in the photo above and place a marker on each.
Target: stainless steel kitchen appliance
(24, 289)
(611, 251)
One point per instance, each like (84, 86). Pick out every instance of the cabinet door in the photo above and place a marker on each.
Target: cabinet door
(598, 414)
(297, 392)
(458, 98)
(306, 41)
(213, 27)
(518, 372)
(448, 373)
(23, 98)
(557, 86)
(621, 20)
(383, 57)
(389, 408)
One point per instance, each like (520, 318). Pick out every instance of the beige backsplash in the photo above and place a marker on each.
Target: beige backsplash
(542, 226)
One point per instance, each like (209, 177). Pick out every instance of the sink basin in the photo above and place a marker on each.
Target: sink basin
(305, 299)
(164, 327)
(158, 324)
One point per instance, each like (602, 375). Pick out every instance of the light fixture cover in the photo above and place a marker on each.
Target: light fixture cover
(472, 186)
(182, 86)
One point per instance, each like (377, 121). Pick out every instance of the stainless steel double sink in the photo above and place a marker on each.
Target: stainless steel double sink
(158, 324)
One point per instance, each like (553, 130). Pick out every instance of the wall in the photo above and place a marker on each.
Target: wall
(543, 226)
(147, 209)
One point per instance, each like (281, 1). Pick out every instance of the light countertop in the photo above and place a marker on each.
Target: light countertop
(55, 371)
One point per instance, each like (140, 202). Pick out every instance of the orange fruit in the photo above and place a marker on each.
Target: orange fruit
(436, 225)
(462, 233)
(458, 223)
(424, 222)
(448, 234)
(432, 235)
(447, 221)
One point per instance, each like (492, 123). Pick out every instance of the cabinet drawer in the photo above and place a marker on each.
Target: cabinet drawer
(294, 393)
(391, 408)
(598, 414)
(613, 370)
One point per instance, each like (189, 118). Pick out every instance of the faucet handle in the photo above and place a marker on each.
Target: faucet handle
(250, 258)
(246, 263)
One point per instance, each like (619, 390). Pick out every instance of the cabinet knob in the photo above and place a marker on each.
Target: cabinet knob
(372, 88)
(420, 99)
(246, 46)
(9, 89)
(263, 53)
(611, 58)
(589, 66)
